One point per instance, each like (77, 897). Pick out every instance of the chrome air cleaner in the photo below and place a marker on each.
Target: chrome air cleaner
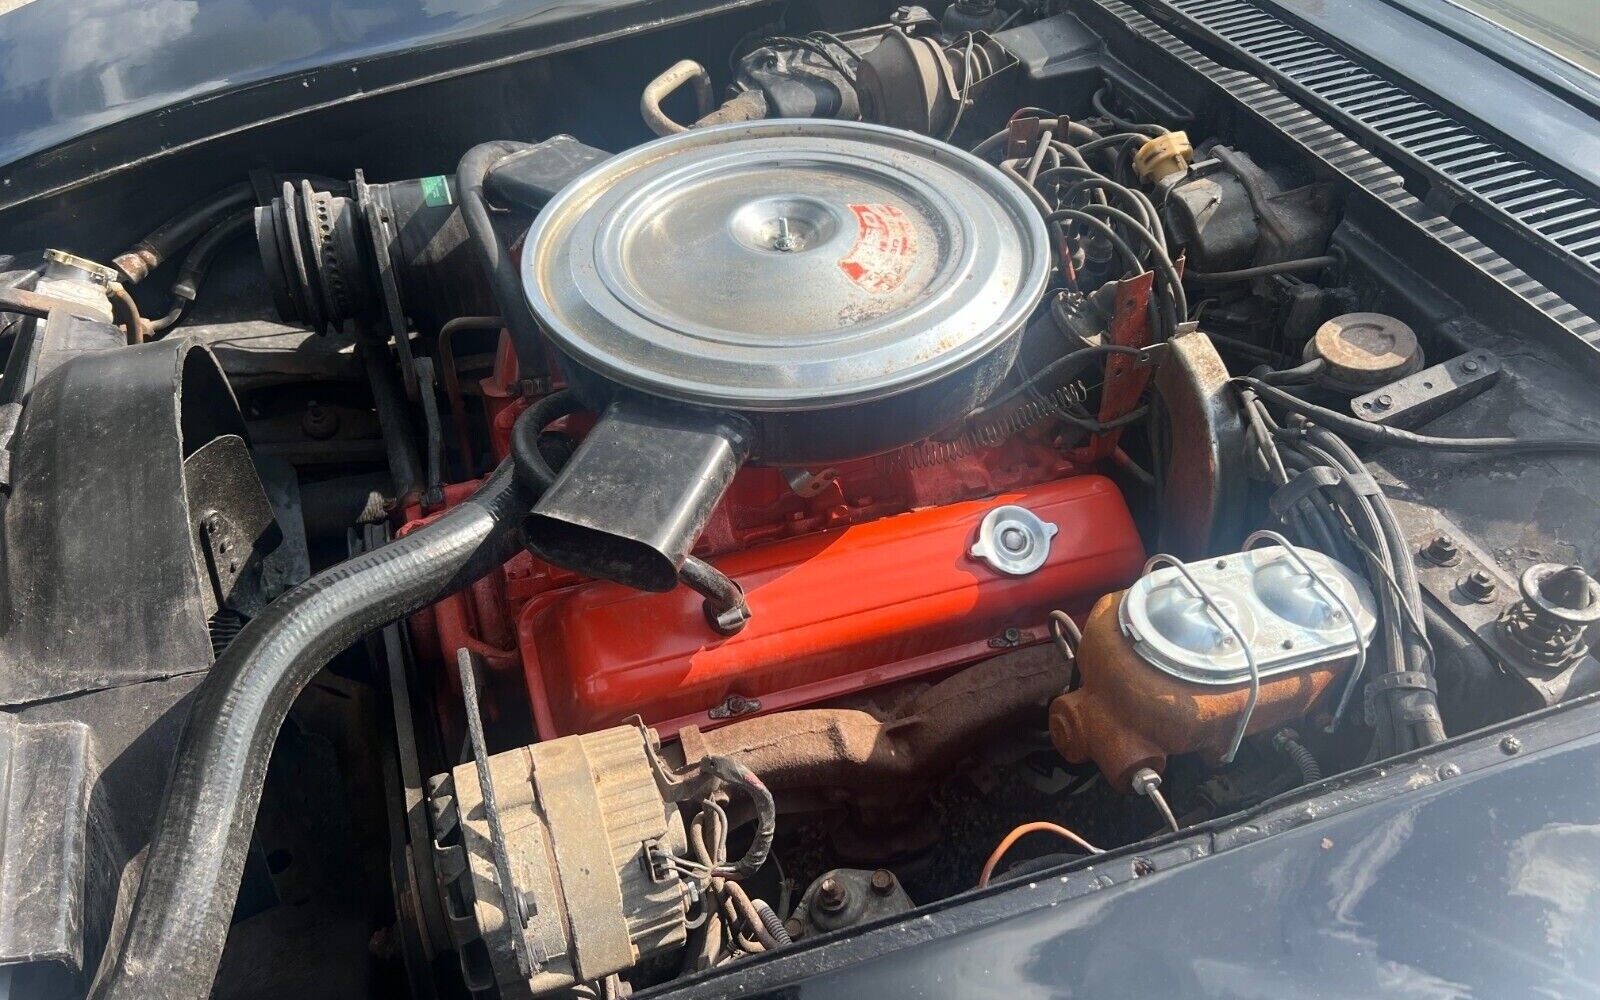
(784, 267)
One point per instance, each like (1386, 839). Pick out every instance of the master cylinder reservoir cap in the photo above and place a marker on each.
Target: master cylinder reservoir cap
(1289, 618)
(1013, 540)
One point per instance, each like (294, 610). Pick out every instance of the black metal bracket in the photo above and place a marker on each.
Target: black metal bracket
(1418, 398)
(511, 898)
(394, 312)
(433, 497)
(1470, 589)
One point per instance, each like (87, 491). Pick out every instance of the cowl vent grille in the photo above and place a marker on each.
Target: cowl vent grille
(1526, 196)
(1489, 166)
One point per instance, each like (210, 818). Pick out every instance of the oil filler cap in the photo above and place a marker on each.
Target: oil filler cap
(1013, 540)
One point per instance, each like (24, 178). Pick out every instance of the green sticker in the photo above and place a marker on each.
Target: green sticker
(435, 190)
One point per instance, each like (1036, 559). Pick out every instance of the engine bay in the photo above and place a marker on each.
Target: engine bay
(849, 458)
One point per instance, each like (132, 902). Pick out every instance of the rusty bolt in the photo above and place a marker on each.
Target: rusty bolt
(1479, 586)
(1442, 551)
(1008, 637)
(882, 882)
(832, 896)
(319, 423)
(795, 928)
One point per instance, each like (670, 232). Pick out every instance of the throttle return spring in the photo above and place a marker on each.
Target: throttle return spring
(991, 432)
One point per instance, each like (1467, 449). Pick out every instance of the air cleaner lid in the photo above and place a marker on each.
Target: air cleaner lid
(785, 265)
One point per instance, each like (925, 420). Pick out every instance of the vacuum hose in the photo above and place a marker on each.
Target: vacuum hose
(145, 256)
(471, 174)
(191, 881)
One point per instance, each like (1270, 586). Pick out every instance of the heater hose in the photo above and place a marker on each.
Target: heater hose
(186, 898)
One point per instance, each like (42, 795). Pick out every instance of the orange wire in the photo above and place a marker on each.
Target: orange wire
(1022, 831)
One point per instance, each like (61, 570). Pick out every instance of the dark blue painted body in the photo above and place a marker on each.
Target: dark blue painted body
(1487, 889)
(92, 87)
(1401, 883)
(70, 66)
(1485, 884)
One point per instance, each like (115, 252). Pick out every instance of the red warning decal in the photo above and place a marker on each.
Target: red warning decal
(885, 250)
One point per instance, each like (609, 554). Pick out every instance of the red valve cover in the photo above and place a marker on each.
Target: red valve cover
(864, 583)
(831, 613)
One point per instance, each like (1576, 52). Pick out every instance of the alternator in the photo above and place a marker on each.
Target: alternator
(582, 826)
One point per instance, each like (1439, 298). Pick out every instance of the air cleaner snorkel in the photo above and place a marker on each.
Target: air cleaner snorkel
(633, 499)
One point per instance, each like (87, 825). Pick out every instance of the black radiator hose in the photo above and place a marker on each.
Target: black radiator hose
(191, 881)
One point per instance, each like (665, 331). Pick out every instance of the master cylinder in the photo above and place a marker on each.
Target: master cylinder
(1192, 658)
